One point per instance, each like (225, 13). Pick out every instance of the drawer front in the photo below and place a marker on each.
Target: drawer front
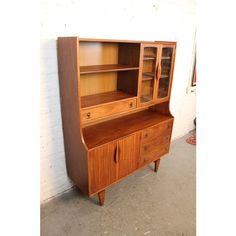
(157, 131)
(155, 142)
(107, 110)
(153, 153)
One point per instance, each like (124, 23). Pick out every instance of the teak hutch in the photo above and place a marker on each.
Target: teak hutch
(115, 98)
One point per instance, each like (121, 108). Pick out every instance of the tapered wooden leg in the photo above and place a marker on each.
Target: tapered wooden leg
(156, 165)
(101, 196)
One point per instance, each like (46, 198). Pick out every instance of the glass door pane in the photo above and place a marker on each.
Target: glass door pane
(163, 88)
(148, 74)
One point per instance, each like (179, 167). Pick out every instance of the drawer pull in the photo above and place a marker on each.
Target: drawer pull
(131, 105)
(88, 115)
(146, 135)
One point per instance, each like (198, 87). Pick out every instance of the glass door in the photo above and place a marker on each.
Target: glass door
(148, 73)
(165, 72)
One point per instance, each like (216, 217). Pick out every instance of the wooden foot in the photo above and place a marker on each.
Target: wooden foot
(156, 165)
(101, 196)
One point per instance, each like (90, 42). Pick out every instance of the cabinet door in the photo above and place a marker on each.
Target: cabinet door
(148, 73)
(102, 166)
(128, 154)
(165, 74)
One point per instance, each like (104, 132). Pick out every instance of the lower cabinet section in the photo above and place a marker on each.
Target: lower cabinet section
(110, 162)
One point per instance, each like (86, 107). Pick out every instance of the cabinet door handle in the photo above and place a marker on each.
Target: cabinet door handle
(115, 152)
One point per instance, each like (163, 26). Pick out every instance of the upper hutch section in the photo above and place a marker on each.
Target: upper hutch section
(120, 76)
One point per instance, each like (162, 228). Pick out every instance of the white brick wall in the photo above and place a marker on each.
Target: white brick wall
(123, 19)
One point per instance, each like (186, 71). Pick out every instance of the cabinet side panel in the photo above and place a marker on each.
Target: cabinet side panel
(75, 151)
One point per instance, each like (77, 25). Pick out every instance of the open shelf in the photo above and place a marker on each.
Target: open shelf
(105, 68)
(148, 76)
(146, 98)
(149, 58)
(164, 76)
(108, 131)
(165, 58)
(101, 98)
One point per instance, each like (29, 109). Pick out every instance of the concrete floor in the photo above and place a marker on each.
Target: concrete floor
(146, 203)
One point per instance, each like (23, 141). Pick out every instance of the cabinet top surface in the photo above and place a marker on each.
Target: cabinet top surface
(118, 40)
(111, 130)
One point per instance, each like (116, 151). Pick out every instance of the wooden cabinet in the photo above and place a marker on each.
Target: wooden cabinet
(115, 98)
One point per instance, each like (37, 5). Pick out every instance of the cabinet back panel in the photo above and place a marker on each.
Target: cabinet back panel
(97, 53)
(98, 83)
(147, 87)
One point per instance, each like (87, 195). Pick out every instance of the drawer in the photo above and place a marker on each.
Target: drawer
(102, 111)
(153, 144)
(153, 152)
(157, 131)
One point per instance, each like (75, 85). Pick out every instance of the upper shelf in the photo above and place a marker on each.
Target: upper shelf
(165, 58)
(106, 68)
(148, 76)
(149, 58)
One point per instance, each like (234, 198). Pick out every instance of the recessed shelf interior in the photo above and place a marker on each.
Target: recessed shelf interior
(108, 67)
(98, 134)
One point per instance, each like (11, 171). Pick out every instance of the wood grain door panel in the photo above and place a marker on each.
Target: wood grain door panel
(102, 167)
(129, 154)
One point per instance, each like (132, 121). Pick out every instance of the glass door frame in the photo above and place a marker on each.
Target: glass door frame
(166, 98)
(156, 73)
